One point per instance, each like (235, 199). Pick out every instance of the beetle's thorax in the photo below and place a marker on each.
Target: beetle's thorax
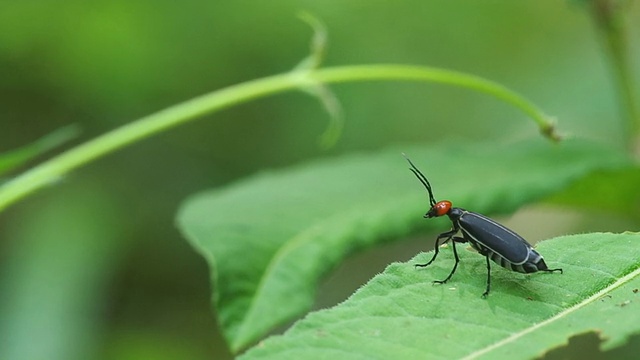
(455, 213)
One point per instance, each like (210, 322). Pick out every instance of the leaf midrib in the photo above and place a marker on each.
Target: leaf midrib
(623, 280)
(298, 239)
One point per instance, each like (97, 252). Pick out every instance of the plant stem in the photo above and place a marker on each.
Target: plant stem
(55, 168)
(609, 18)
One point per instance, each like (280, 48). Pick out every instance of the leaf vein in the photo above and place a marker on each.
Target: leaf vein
(557, 317)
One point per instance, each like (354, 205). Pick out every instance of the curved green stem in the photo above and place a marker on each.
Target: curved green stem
(57, 167)
(610, 17)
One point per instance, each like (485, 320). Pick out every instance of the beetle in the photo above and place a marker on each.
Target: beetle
(489, 238)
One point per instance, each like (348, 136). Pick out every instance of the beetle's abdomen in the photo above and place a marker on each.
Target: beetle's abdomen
(534, 262)
(502, 245)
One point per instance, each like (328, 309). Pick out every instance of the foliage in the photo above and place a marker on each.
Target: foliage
(98, 251)
(398, 314)
(269, 239)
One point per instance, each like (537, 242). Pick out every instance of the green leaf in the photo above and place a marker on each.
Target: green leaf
(399, 314)
(12, 159)
(269, 239)
(614, 192)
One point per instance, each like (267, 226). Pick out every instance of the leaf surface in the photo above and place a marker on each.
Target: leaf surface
(270, 238)
(399, 314)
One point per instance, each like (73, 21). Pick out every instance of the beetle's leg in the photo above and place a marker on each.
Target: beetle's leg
(449, 234)
(486, 292)
(553, 270)
(542, 266)
(455, 255)
(459, 239)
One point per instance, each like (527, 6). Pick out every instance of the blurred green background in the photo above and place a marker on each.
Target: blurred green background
(94, 267)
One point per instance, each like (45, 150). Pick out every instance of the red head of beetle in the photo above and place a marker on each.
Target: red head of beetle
(439, 209)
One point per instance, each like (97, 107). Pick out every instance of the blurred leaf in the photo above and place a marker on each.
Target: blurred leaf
(400, 315)
(270, 238)
(12, 159)
(588, 345)
(614, 191)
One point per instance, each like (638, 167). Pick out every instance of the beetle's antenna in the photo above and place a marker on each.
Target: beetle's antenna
(423, 180)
